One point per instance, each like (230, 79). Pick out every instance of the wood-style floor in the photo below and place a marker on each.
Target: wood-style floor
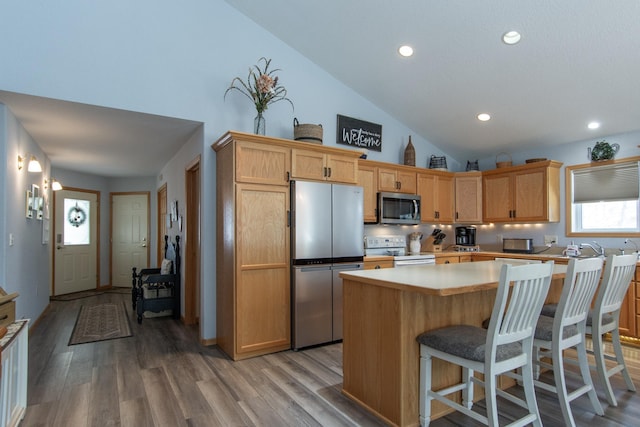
(162, 376)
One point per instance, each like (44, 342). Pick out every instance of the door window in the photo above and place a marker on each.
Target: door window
(76, 224)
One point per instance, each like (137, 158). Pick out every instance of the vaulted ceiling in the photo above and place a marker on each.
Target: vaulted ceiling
(577, 62)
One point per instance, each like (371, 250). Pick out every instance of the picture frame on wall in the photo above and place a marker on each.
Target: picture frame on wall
(29, 204)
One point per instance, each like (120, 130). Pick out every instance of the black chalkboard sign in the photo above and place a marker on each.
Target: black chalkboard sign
(358, 133)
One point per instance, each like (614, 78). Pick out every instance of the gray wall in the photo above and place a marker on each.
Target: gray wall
(174, 60)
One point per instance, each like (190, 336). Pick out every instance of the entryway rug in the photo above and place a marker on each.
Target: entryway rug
(76, 295)
(101, 322)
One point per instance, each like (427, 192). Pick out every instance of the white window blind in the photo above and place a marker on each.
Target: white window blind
(615, 182)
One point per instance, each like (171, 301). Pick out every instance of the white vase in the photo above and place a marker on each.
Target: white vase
(414, 246)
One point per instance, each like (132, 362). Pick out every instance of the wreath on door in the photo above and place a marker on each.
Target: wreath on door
(76, 216)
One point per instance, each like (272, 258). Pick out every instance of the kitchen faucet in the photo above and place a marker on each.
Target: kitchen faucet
(627, 241)
(599, 250)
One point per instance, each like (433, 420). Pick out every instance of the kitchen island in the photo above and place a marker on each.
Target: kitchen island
(386, 309)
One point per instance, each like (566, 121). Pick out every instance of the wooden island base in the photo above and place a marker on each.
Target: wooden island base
(381, 322)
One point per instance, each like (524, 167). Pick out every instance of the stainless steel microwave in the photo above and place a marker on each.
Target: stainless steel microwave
(398, 208)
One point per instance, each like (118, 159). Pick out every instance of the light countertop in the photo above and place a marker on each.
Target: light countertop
(442, 279)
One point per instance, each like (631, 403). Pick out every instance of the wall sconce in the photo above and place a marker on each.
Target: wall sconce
(33, 166)
(55, 184)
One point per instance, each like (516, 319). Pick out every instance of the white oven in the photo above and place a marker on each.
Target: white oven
(395, 246)
(409, 260)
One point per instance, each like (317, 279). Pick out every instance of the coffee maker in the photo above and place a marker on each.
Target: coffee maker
(466, 236)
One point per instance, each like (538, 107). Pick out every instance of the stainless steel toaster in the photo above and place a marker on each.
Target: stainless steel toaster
(517, 246)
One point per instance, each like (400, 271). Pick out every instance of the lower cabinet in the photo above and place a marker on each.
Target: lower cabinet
(14, 348)
(371, 263)
(448, 258)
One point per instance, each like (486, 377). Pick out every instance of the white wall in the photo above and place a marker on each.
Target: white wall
(25, 264)
(176, 59)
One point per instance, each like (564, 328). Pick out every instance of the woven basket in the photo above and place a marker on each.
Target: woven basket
(307, 132)
(437, 162)
(503, 163)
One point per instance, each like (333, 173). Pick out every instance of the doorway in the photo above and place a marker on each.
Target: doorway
(129, 235)
(192, 244)
(77, 239)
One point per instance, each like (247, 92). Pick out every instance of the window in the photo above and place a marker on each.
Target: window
(603, 200)
(76, 225)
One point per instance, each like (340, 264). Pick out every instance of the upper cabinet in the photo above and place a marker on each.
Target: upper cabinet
(437, 193)
(400, 179)
(320, 166)
(368, 180)
(260, 163)
(526, 193)
(468, 197)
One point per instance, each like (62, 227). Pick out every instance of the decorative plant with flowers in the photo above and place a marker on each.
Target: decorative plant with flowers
(261, 86)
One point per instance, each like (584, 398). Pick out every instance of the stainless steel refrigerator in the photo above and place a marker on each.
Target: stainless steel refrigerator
(327, 227)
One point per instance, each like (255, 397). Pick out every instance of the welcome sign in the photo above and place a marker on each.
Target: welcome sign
(359, 133)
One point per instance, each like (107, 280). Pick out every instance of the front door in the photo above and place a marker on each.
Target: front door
(129, 235)
(76, 241)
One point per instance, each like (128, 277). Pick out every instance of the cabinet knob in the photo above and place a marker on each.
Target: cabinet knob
(377, 267)
(447, 262)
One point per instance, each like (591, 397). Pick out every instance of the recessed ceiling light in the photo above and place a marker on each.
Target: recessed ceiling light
(511, 37)
(405, 50)
(593, 125)
(483, 117)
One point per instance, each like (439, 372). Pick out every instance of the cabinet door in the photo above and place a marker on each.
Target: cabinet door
(262, 164)
(530, 195)
(445, 195)
(468, 199)
(263, 314)
(307, 164)
(628, 313)
(368, 180)
(342, 169)
(496, 201)
(387, 180)
(407, 182)
(436, 198)
(426, 189)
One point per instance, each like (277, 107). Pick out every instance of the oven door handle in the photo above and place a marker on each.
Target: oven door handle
(428, 261)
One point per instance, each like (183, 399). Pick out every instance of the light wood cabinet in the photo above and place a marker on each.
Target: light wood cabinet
(377, 262)
(253, 312)
(437, 193)
(262, 164)
(468, 190)
(397, 179)
(319, 166)
(452, 258)
(368, 180)
(525, 193)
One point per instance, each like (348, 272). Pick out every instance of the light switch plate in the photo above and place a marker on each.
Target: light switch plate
(11, 240)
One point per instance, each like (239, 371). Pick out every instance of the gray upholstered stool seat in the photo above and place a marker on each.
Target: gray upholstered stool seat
(544, 329)
(468, 342)
(550, 310)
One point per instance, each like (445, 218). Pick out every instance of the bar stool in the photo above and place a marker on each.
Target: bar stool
(566, 330)
(605, 318)
(505, 346)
